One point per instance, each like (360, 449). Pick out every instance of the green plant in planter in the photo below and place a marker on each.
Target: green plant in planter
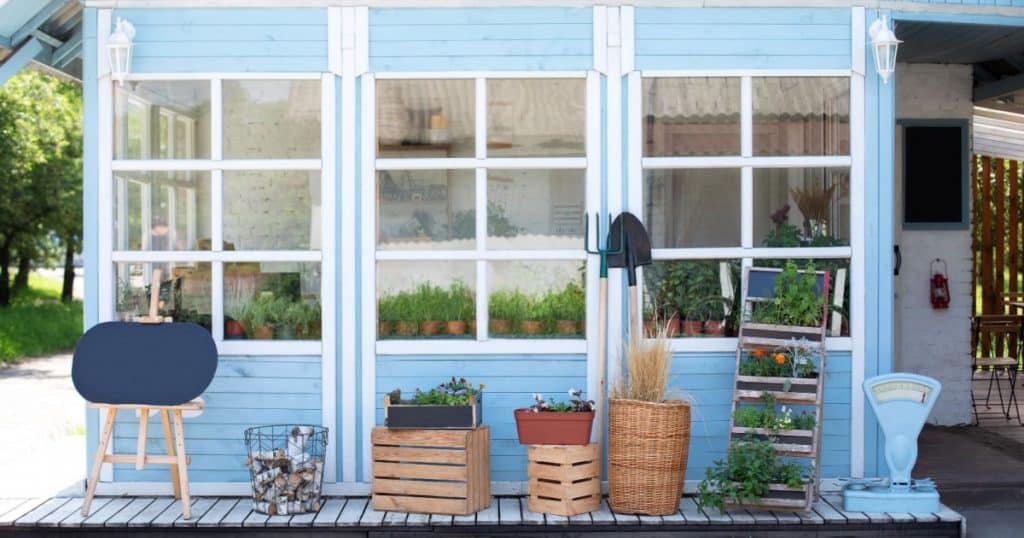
(770, 417)
(458, 305)
(306, 319)
(263, 312)
(796, 302)
(745, 473)
(508, 305)
(452, 392)
(542, 310)
(570, 303)
(387, 309)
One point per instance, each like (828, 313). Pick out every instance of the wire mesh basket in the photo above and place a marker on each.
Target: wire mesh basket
(286, 463)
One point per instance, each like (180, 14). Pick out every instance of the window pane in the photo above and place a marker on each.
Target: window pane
(272, 210)
(184, 289)
(691, 297)
(162, 211)
(532, 299)
(691, 116)
(162, 120)
(801, 116)
(271, 119)
(536, 117)
(426, 209)
(426, 118)
(437, 299)
(692, 208)
(535, 209)
(839, 288)
(802, 207)
(278, 301)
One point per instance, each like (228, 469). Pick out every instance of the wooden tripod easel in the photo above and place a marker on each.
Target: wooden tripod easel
(175, 458)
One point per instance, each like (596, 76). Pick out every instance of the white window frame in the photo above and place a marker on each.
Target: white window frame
(480, 163)
(216, 165)
(746, 162)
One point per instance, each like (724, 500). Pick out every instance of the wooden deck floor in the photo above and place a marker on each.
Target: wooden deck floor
(113, 516)
(992, 418)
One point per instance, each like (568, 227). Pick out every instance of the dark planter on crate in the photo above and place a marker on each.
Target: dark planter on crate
(433, 416)
(551, 428)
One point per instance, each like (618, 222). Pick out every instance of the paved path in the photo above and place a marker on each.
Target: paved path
(42, 428)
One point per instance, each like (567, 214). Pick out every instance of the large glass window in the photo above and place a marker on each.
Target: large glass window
(480, 229)
(779, 179)
(242, 203)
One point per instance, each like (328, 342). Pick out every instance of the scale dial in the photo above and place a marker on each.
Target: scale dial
(901, 390)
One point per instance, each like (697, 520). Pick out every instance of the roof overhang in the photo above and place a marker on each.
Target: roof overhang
(43, 35)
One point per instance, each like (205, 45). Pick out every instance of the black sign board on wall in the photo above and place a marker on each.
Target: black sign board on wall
(935, 160)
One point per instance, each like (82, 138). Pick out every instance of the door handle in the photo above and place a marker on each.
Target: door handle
(899, 260)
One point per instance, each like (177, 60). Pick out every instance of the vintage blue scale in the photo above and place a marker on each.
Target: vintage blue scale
(902, 403)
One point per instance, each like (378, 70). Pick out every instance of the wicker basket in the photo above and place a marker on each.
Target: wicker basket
(648, 445)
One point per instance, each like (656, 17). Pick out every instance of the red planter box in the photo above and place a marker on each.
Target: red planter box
(550, 428)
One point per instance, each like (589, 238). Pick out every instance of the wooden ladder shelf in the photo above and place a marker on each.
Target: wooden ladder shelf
(804, 392)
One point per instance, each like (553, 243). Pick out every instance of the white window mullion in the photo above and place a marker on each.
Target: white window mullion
(217, 210)
(481, 118)
(746, 117)
(217, 300)
(216, 120)
(747, 207)
(481, 250)
(482, 301)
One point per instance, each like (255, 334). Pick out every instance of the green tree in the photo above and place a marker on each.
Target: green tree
(40, 152)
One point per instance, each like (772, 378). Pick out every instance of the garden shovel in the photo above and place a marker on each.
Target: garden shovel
(631, 245)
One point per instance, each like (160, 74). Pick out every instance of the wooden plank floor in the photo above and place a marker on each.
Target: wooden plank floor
(505, 515)
(992, 417)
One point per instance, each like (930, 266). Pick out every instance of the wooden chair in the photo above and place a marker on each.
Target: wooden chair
(997, 347)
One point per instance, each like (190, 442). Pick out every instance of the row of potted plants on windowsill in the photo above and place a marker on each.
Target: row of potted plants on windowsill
(435, 311)
(267, 317)
(686, 298)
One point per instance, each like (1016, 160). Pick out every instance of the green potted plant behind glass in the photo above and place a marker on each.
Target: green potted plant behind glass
(570, 309)
(263, 315)
(458, 308)
(538, 315)
(507, 308)
(550, 422)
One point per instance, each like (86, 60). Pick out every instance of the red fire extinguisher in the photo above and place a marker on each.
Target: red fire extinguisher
(940, 284)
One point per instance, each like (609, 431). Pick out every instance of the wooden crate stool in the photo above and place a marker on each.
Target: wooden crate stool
(565, 480)
(175, 458)
(432, 471)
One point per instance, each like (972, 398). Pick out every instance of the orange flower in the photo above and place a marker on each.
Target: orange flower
(780, 358)
(759, 353)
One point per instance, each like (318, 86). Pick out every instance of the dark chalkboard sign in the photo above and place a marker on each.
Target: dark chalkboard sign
(935, 175)
(133, 363)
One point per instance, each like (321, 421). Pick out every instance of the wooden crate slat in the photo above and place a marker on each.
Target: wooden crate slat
(780, 397)
(420, 487)
(764, 342)
(560, 453)
(413, 438)
(563, 473)
(765, 431)
(573, 490)
(416, 470)
(569, 488)
(406, 454)
(793, 329)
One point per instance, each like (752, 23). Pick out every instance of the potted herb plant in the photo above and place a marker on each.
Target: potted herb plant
(307, 319)
(453, 404)
(550, 422)
(403, 305)
(789, 372)
(263, 314)
(648, 434)
(430, 304)
(750, 474)
(569, 309)
(507, 309)
(538, 313)
(234, 327)
(458, 309)
(386, 315)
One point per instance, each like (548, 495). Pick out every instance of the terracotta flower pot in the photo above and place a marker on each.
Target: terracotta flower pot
(672, 328)
(691, 328)
(714, 327)
(530, 327)
(430, 328)
(404, 328)
(384, 328)
(455, 327)
(565, 326)
(263, 332)
(233, 330)
(501, 326)
(551, 428)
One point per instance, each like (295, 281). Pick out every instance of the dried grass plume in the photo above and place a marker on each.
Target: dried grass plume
(647, 370)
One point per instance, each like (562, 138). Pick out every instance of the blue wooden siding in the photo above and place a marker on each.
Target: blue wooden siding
(232, 40)
(247, 391)
(510, 381)
(742, 38)
(443, 39)
(709, 378)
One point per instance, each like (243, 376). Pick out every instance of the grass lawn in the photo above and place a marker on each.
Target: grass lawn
(37, 323)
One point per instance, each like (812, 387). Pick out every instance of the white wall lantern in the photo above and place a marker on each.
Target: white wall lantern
(119, 49)
(884, 45)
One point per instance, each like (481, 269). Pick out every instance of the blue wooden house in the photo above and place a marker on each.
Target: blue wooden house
(322, 160)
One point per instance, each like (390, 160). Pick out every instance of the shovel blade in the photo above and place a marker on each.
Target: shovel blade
(637, 248)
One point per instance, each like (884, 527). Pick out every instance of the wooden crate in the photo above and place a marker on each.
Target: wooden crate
(781, 496)
(565, 480)
(431, 471)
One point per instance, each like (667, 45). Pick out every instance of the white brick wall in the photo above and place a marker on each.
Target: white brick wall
(933, 342)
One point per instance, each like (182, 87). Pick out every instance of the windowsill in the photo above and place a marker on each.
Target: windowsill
(507, 346)
(269, 347)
